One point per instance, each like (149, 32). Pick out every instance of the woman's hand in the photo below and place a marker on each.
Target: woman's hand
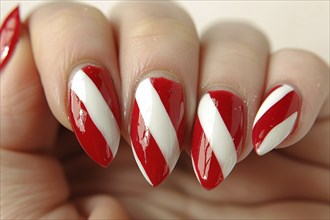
(216, 97)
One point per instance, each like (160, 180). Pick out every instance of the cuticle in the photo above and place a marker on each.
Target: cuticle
(236, 92)
(224, 87)
(153, 72)
(75, 66)
(295, 88)
(85, 62)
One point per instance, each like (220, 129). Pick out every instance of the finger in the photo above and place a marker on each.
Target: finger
(27, 126)
(26, 121)
(233, 63)
(158, 48)
(297, 86)
(319, 153)
(75, 55)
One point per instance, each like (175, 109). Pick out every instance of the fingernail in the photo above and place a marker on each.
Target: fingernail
(276, 118)
(218, 136)
(157, 127)
(94, 112)
(9, 34)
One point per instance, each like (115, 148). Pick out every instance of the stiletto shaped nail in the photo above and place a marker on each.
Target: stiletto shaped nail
(94, 112)
(276, 118)
(157, 127)
(9, 34)
(218, 136)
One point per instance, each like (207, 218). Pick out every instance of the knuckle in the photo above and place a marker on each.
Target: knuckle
(304, 58)
(66, 16)
(161, 28)
(237, 39)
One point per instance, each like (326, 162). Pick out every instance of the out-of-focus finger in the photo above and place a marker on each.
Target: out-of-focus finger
(26, 121)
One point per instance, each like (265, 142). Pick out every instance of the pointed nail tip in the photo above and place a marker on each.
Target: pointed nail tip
(154, 184)
(17, 9)
(14, 12)
(256, 147)
(157, 182)
(157, 179)
(260, 152)
(209, 188)
(103, 163)
(208, 184)
(205, 183)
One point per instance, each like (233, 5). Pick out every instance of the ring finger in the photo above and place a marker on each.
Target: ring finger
(233, 71)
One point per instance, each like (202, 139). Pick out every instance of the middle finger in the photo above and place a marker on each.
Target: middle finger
(158, 55)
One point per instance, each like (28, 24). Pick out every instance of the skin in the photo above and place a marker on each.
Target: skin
(45, 174)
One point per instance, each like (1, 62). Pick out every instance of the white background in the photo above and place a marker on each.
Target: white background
(298, 24)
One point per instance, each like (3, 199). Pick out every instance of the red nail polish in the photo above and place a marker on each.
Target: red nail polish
(94, 112)
(157, 127)
(276, 118)
(9, 34)
(218, 136)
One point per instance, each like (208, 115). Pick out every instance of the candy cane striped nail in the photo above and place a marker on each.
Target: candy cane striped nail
(276, 118)
(94, 113)
(218, 136)
(157, 127)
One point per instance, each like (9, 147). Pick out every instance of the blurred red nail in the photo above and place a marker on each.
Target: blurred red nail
(9, 34)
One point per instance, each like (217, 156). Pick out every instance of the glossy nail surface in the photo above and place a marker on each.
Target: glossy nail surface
(94, 112)
(218, 136)
(9, 34)
(157, 127)
(276, 118)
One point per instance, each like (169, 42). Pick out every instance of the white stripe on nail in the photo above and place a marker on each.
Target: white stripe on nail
(271, 100)
(217, 134)
(157, 120)
(277, 135)
(97, 108)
